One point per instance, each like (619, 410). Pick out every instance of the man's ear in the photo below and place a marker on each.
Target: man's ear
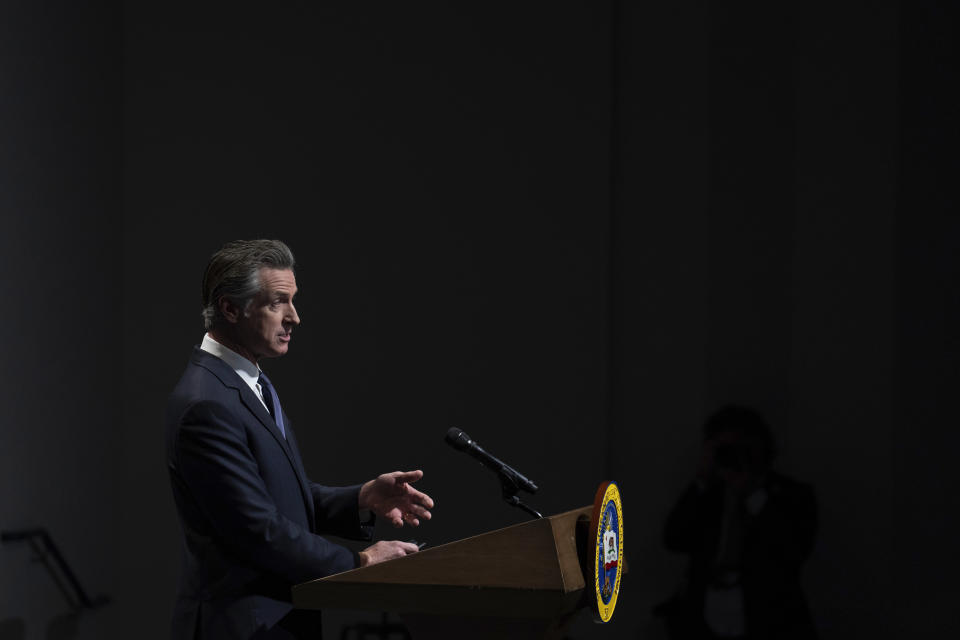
(230, 311)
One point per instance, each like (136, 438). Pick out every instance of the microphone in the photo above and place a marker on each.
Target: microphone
(462, 442)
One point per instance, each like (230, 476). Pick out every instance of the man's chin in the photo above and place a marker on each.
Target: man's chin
(276, 351)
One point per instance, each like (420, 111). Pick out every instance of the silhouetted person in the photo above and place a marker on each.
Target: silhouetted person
(747, 531)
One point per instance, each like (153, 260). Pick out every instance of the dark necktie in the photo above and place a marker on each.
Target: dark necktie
(272, 401)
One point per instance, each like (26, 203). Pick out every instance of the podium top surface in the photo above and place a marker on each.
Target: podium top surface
(532, 561)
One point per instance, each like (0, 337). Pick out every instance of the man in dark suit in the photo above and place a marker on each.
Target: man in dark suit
(251, 518)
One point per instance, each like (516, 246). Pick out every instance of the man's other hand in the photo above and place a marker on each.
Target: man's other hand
(390, 496)
(386, 550)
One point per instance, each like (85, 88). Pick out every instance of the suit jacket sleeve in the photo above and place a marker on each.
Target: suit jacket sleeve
(338, 512)
(214, 460)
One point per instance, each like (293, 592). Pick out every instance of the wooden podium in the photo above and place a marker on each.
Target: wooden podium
(523, 581)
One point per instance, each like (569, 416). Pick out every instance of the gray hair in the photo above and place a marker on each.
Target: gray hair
(234, 273)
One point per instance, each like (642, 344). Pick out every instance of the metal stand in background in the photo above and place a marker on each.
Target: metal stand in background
(63, 576)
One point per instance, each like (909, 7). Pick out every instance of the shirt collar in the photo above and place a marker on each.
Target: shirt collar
(248, 371)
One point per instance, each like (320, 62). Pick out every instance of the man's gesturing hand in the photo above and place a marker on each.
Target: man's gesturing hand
(386, 550)
(391, 496)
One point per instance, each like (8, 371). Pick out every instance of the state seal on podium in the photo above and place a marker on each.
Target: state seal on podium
(606, 541)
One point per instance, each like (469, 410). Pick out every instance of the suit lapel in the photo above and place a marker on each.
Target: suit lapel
(250, 400)
(305, 483)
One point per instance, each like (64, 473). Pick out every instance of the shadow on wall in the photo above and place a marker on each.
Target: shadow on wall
(61, 627)
(13, 629)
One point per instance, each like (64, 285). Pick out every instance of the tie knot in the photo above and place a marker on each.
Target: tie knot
(264, 380)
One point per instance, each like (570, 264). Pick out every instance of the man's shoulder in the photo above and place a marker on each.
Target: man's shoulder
(205, 377)
(208, 366)
(204, 389)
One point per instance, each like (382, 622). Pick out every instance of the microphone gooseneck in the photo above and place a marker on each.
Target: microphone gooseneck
(511, 480)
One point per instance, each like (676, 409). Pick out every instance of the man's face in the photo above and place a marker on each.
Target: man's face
(265, 327)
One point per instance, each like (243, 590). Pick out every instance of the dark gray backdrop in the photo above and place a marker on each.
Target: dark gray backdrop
(571, 229)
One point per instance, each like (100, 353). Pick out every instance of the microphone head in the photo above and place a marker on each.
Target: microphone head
(457, 438)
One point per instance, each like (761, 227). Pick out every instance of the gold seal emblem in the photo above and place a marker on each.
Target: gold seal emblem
(607, 543)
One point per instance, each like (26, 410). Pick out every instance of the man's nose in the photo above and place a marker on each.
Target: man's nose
(292, 316)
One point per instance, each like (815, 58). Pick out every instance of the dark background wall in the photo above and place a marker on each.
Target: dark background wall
(571, 229)
(61, 301)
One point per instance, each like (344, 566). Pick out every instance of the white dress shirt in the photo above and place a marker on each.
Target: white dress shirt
(248, 372)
